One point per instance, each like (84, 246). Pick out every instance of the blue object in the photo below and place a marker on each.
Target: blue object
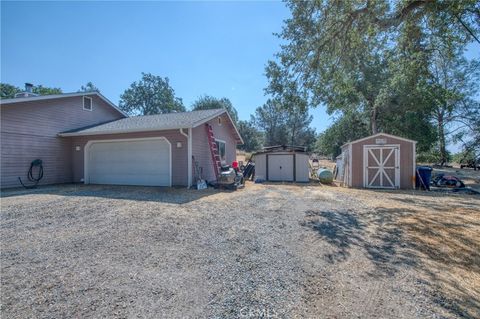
(423, 177)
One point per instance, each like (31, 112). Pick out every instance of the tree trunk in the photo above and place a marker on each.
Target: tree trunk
(293, 135)
(441, 139)
(373, 119)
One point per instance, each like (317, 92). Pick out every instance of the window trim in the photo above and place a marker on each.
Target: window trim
(91, 103)
(218, 149)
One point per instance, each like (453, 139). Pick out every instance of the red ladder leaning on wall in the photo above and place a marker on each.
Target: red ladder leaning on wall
(213, 150)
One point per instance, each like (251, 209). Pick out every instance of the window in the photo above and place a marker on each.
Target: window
(221, 150)
(219, 120)
(87, 103)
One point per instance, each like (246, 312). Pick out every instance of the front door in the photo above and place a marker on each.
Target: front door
(381, 166)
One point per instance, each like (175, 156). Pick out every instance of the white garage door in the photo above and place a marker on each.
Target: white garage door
(129, 162)
(280, 167)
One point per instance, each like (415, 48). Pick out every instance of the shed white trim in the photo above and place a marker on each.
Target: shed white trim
(395, 151)
(378, 134)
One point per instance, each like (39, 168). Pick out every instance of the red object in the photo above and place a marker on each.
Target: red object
(234, 164)
(213, 150)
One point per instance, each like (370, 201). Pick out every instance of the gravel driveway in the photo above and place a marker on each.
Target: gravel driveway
(264, 251)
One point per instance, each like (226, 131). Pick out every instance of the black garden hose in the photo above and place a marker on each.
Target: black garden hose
(36, 163)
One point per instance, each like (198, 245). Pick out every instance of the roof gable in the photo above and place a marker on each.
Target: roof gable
(381, 134)
(158, 122)
(61, 96)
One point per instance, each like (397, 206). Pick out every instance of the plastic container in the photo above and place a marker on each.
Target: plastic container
(423, 177)
(325, 176)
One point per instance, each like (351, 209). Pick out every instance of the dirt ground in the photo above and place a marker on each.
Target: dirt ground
(269, 250)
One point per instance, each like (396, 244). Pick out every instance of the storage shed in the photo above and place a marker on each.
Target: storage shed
(378, 161)
(282, 164)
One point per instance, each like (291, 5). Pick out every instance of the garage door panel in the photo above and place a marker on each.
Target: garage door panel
(280, 168)
(132, 162)
(126, 179)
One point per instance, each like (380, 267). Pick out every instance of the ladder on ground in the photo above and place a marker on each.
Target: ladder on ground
(213, 150)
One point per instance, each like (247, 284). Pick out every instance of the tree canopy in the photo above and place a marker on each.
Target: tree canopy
(349, 127)
(252, 137)
(371, 60)
(207, 102)
(8, 91)
(284, 126)
(150, 95)
(89, 87)
(44, 90)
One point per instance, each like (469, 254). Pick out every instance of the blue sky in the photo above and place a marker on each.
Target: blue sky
(214, 48)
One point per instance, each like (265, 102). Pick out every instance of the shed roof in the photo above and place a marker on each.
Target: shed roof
(380, 134)
(283, 148)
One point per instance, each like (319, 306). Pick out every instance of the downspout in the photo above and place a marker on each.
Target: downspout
(189, 154)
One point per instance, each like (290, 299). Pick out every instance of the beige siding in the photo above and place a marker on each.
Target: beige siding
(302, 171)
(407, 162)
(260, 166)
(201, 151)
(179, 155)
(29, 131)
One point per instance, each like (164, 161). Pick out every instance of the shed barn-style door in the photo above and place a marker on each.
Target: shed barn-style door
(381, 166)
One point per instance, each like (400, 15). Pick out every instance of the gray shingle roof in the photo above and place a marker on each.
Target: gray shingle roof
(150, 123)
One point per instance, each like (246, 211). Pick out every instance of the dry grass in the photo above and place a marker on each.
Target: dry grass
(441, 233)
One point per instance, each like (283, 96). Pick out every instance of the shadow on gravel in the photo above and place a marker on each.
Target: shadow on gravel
(341, 229)
(439, 246)
(175, 195)
(386, 246)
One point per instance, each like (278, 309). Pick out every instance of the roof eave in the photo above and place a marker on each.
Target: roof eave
(126, 131)
(377, 134)
(239, 139)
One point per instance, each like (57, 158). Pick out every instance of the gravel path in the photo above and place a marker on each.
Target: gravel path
(266, 251)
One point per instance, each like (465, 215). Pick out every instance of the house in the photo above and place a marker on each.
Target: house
(378, 161)
(282, 164)
(83, 137)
